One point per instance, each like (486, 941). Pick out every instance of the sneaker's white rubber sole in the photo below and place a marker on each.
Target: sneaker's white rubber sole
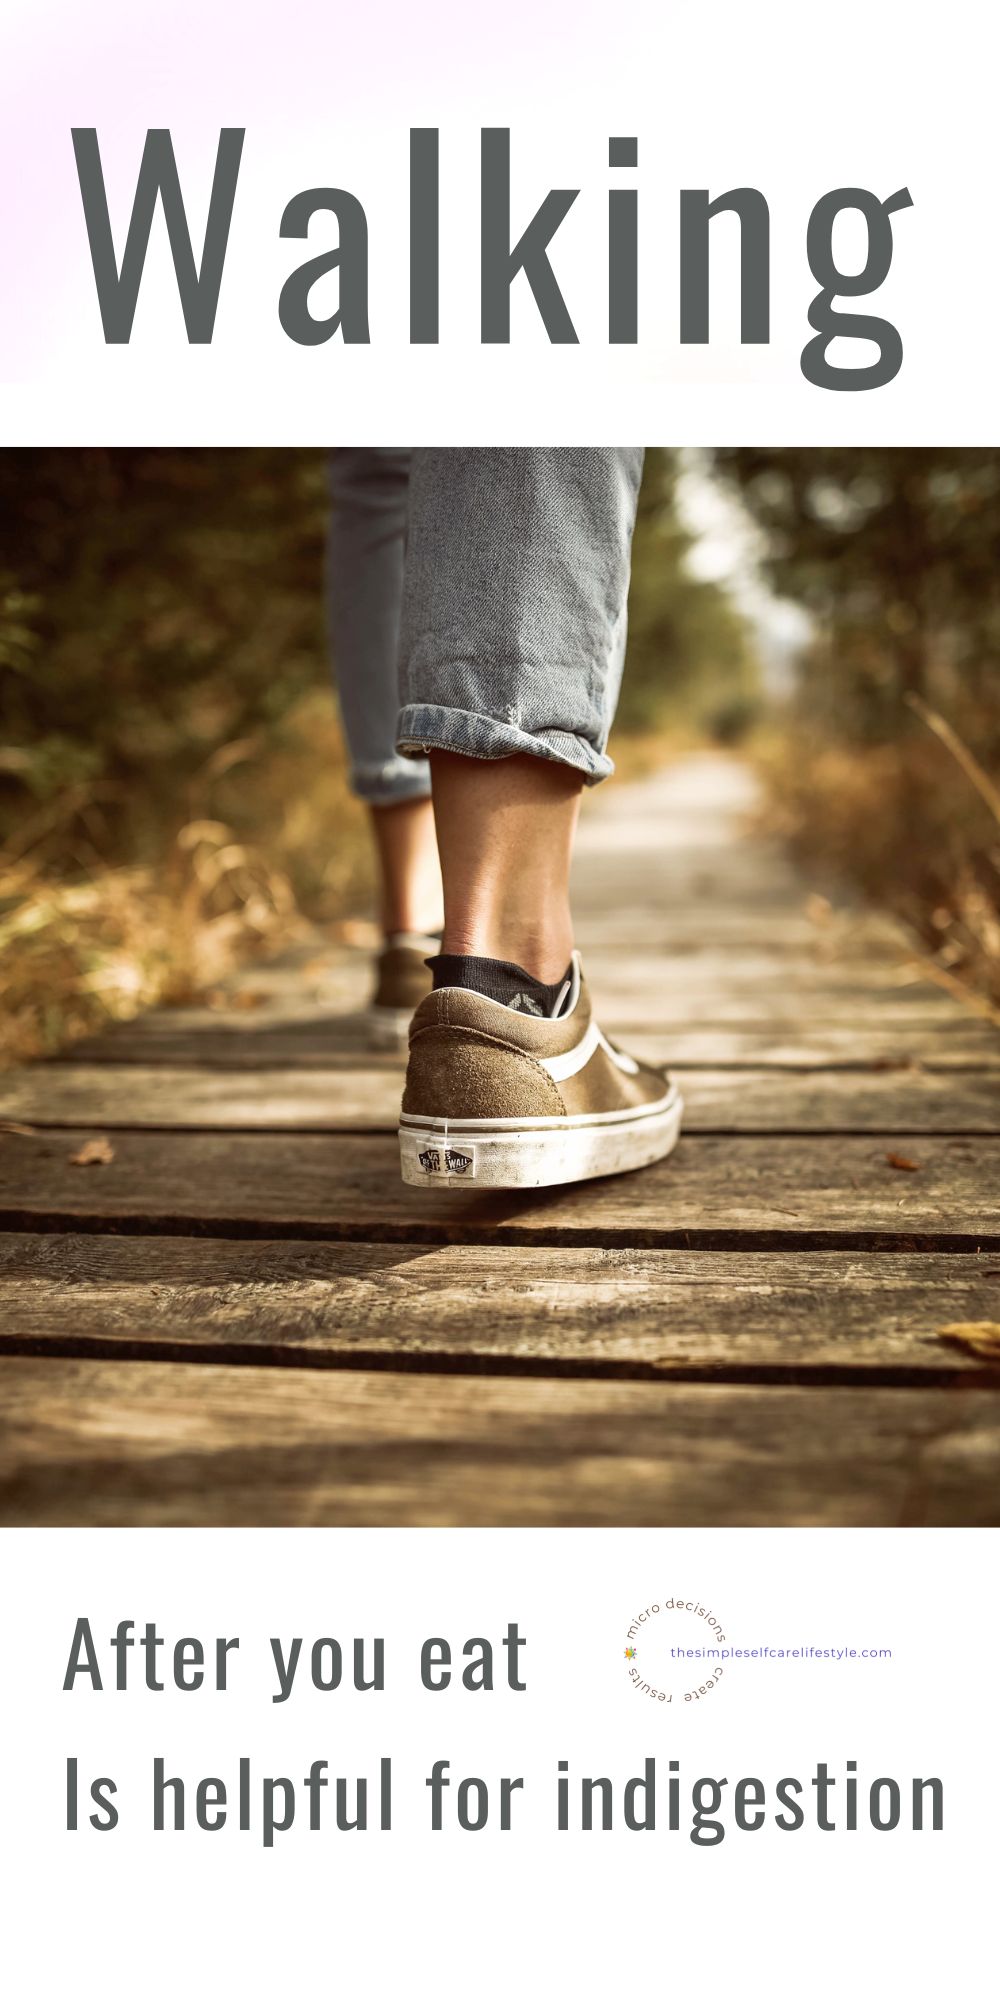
(536, 1152)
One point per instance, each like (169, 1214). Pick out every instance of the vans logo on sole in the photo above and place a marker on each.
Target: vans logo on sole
(450, 1161)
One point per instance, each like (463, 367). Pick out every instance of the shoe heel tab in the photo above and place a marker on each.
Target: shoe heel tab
(575, 982)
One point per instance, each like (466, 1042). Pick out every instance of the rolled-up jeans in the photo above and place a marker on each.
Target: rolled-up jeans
(477, 602)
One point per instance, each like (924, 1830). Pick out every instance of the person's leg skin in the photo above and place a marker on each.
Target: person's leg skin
(513, 638)
(410, 897)
(365, 554)
(512, 646)
(488, 812)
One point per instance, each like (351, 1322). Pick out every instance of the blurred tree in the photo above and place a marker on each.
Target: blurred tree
(690, 652)
(157, 608)
(897, 554)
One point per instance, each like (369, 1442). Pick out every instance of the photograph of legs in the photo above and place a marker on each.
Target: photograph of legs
(413, 1111)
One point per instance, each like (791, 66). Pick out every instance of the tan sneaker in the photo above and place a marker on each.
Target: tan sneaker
(497, 1098)
(402, 980)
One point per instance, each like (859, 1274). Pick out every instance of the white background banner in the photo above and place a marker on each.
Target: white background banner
(531, 1909)
(794, 103)
(874, 96)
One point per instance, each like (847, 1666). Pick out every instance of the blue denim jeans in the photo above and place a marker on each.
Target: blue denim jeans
(477, 602)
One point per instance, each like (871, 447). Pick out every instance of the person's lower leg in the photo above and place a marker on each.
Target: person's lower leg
(410, 897)
(512, 633)
(505, 832)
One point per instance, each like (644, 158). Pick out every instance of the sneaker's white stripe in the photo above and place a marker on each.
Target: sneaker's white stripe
(569, 1064)
(560, 1067)
(624, 1062)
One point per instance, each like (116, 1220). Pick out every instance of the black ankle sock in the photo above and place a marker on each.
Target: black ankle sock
(499, 980)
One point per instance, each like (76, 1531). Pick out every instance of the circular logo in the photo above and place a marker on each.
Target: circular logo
(674, 1650)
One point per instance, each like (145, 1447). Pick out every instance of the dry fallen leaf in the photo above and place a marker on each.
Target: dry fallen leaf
(980, 1337)
(19, 1131)
(94, 1153)
(235, 1000)
(902, 1164)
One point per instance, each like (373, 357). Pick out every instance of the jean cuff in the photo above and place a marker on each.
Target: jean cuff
(390, 782)
(423, 727)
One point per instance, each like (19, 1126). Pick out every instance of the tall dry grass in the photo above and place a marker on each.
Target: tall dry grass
(914, 823)
(267, 845)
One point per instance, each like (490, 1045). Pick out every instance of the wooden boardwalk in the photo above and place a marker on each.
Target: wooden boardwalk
(243, 1316)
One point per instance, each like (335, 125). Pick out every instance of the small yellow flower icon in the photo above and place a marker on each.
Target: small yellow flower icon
(630, 1652)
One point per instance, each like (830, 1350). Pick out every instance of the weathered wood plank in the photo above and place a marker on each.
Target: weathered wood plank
(350, 1093)
(659, 990)
(829, 1193)
(651, 983)
(593, 1311)
(189, 1039)
(104, 1443)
